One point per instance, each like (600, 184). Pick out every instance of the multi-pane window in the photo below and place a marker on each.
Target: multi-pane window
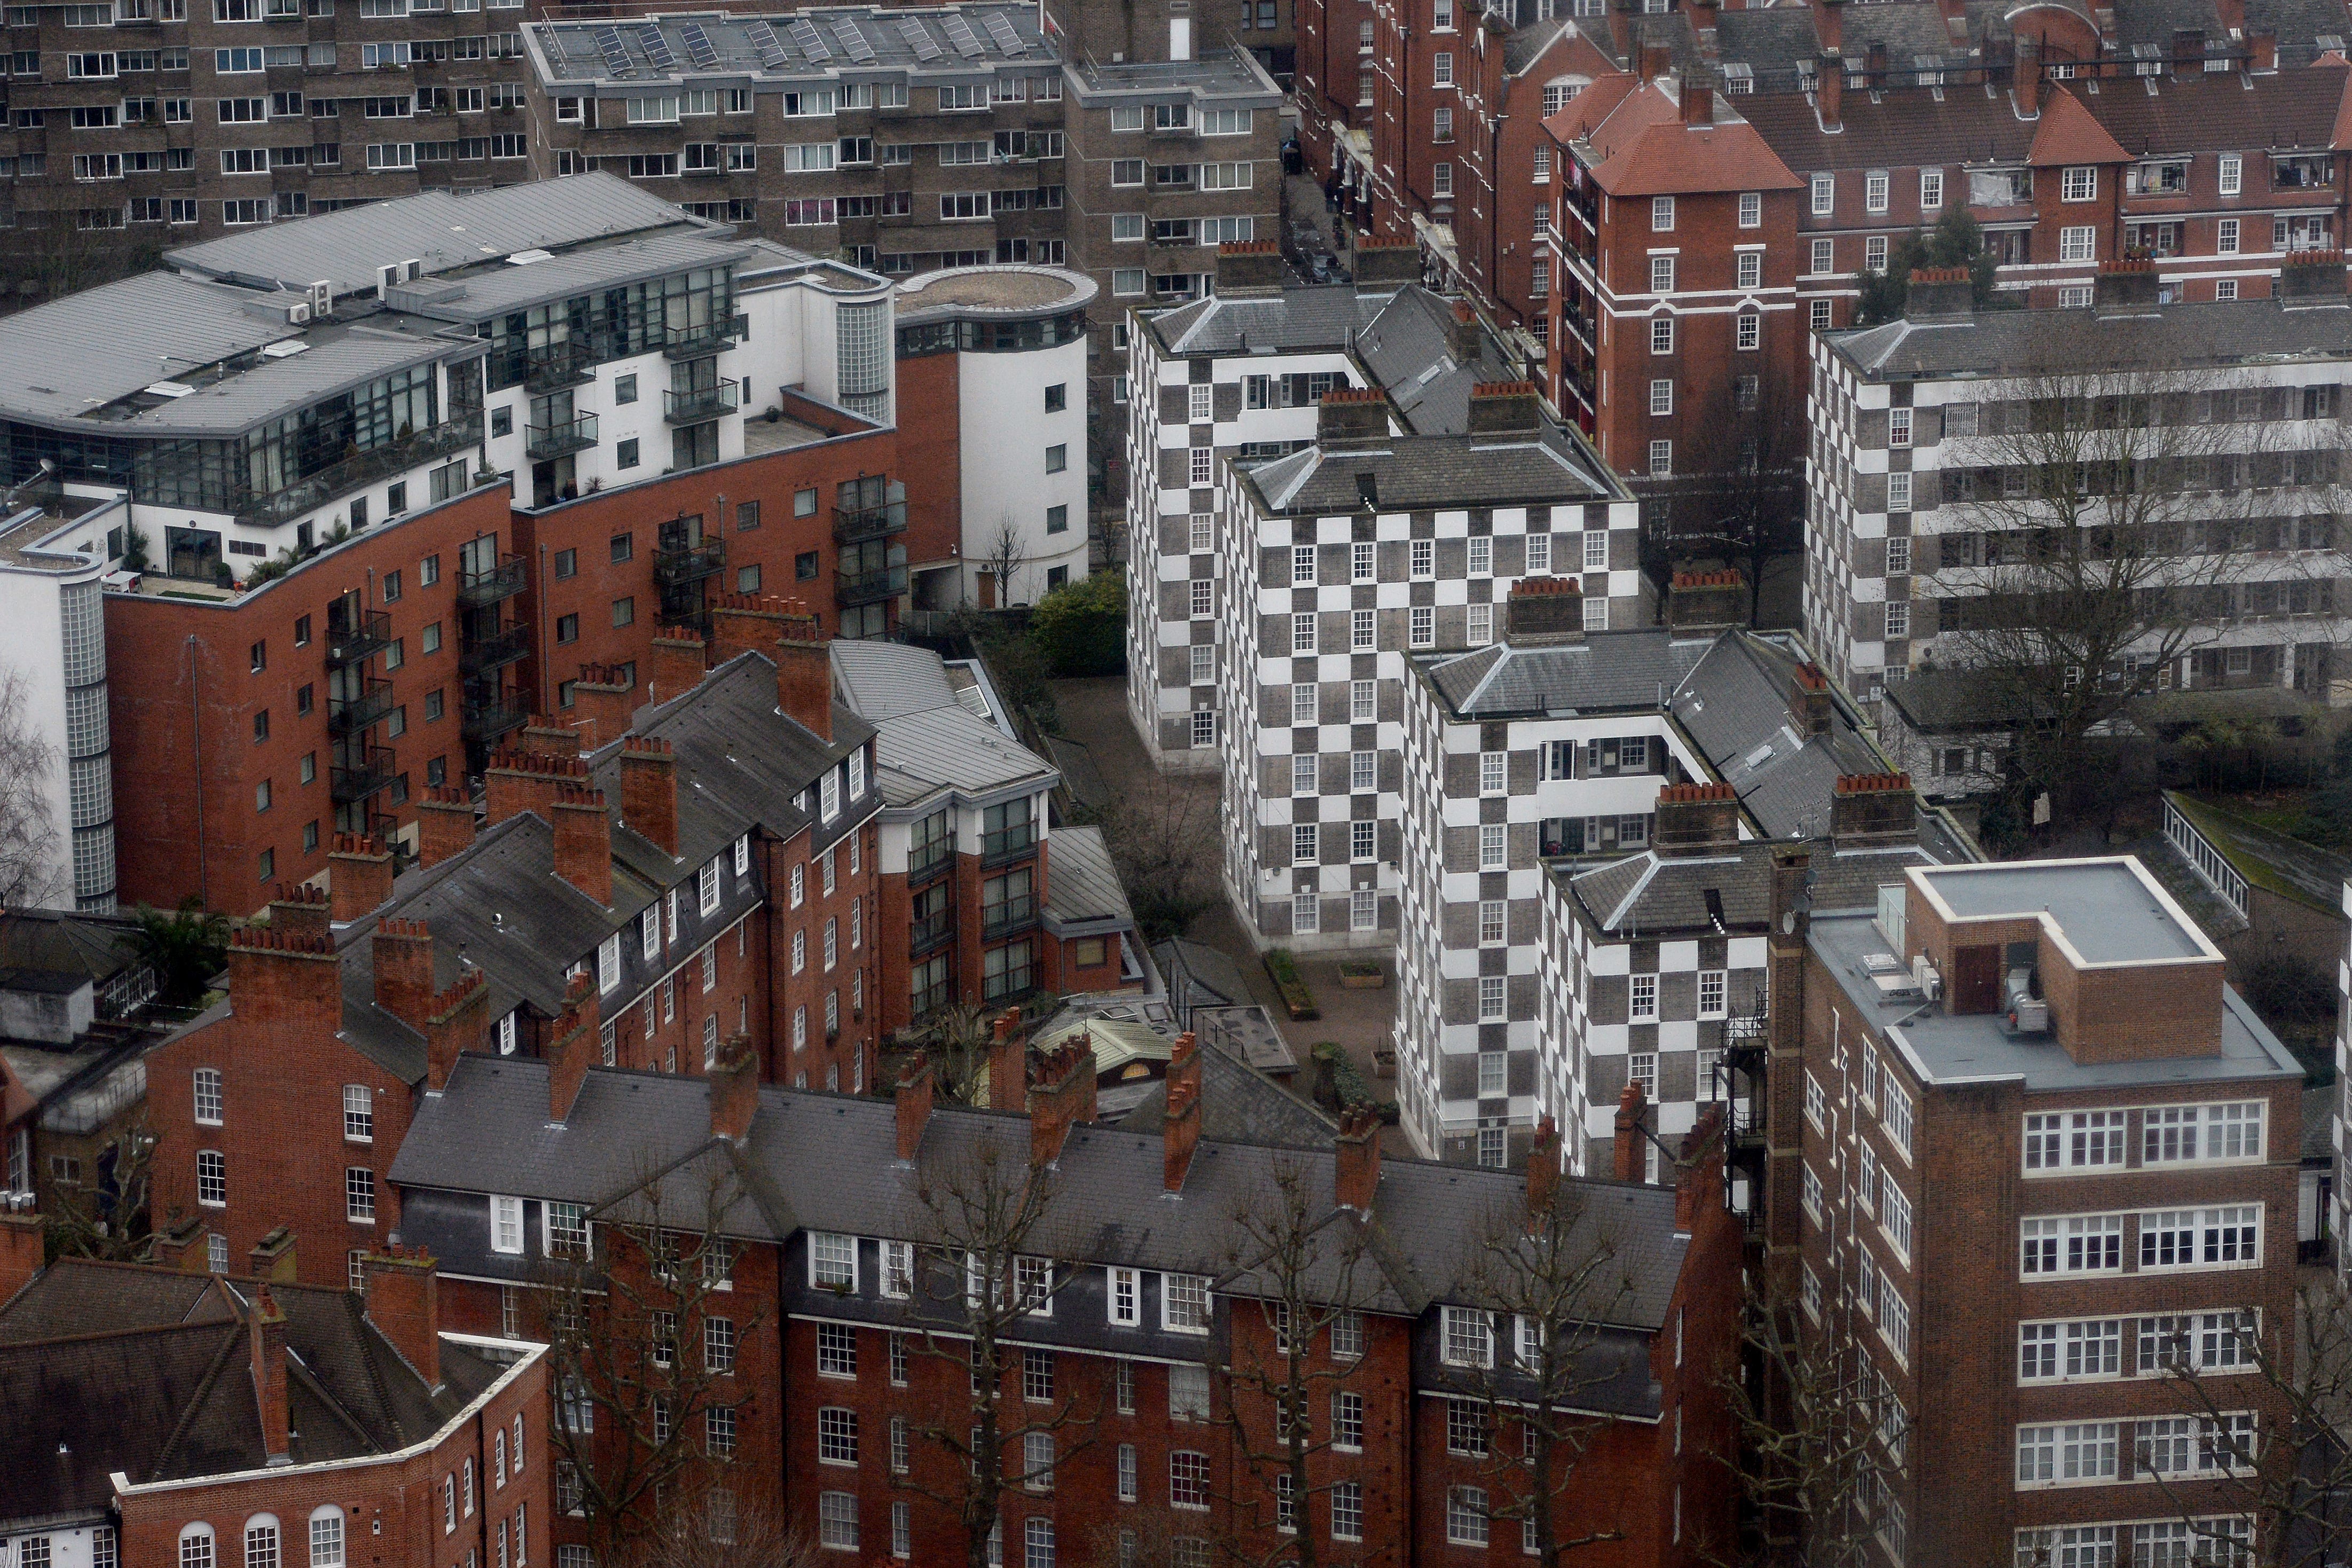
(2074, 1140)
(2080, 1451)
(1128, 1489)
(208, 1096)
(1493, 846)
(836, 1349)
(212, 1179)
(1465, 1516)
(1347, 1511)
(1469, 1337)
(836, 1435)
(2072, 1244)
(2179, 1133)
(832, 1259)
(1188, 1479)
(1184, 1302)
(2185, 1238)
(1302, 565)
(1491, 920)
(1347, 1420)
(1642, 997)
(1710, 992)
(1363, 631)
(1493, 1003)
(1465, 1427)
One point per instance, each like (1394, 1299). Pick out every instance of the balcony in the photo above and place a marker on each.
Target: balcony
(542, 442)
(1008, 844)
(869, 587)
(377, 462)
(930, 932)
(350, 715)
(926, 862)
(1006, 919)
(552, 366)
(368, 777)
(485, 719)
(479, 590)
(690, 564)
(698, 342)
(849, 526)
(481, 655)
(351, 639)
(699, 404)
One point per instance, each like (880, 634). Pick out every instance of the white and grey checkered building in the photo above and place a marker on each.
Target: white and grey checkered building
(1514, 755)
(1236, 377)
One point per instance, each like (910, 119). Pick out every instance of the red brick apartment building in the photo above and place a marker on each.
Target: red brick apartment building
(702, 871)
(2040, 1184)
(844, 1360)
(154, 1417)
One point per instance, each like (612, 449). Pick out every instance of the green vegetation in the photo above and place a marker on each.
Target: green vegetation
(1955, 241)
(1284, 971)
(1081, 629)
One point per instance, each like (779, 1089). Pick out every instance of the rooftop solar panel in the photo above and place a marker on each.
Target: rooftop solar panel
(960, 33)
(1000, 27)
(845, 28)
(809, 40)
(698, 46)
(617, 55)
(763, 39)
(918, 39)
(656, 47)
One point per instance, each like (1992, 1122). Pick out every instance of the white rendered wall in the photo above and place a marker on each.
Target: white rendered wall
(1005, 432)
(33, 653)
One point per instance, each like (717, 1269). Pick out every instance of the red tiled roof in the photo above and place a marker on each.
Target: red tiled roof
(1588, 108)
(1642, 148)
(2069, 134)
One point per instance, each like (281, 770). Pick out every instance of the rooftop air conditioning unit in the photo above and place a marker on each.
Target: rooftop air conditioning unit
(2028, 1014)
(298, 315)
(1931, 983)
(323, 299)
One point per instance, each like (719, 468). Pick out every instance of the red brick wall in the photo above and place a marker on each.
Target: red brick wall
(931, 456)
(184, 696)
(860, 1027)
(282, 1133)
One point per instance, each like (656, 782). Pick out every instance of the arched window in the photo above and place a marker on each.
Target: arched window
(498, 1458)
(261, 1542)
(1561, 91)
(327, 1537)
(196, 1546)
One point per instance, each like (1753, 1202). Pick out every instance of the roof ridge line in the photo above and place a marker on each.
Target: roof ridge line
(236, 1330)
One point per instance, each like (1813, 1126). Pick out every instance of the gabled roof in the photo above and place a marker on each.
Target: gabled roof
(1735, 704)
(1604, 671)
(1728, 893)
(2069, 135)
(150, 1379)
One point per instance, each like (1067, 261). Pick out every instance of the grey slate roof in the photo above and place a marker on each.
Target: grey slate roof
(828, 1163)
(1238, 1104)
(1605, 671)
(1433, 472)
(1651, 895)
(81, 946)
(1406, 348)
(152, 1382)
(445, 230)
(1998, 344)
(1734, 705)
(1321, 316)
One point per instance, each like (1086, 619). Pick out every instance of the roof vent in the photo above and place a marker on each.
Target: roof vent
(525, 258)
(167, 389)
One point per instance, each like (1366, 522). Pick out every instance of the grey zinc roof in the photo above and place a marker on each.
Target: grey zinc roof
(1650, 894)
(492, 290)
(1407, 348)
(573, 51)
(948, 746)
(1995, 344)
(61, 359)
(1735, 705)
(1324, 316)
(335, 359)
(1418, 471)
(445, 230)
(1082, 886)
(885, 679)
(829, 1162)
(1605, 671)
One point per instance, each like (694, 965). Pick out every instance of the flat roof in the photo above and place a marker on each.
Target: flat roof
(2106, 910)
(1010, 290)
(1218, 71)
(1977, 1047)
(836, 43)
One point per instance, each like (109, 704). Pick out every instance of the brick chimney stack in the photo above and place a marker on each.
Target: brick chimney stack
(756, 623)
(273, 1257)
(295, 980)
(804, 682)
(1698, 1179)
(1249, 267)
(1698, 101)
(2025, 78)
(1505, 408)
(266, 1337)
(453, 1024)
(299, 910)
(575, 1045)
(21, 1252)
(915, 1085)
(649, 789)
(1695, 819)
(404, 1303)
(584, 841)
(1008, 1076)
(734, 1088)
(544, 735)
(516, 781)
(1873, 808)
(677, 664)
(1811, 700)
(1543, 1171)
(1356, 1159)
(359, 876)
(1063, 1094)
(445, 824)
(1179, 1132)
(603, 705)
(1627, 1164)
(403, 960)
(175, 1247)
(1829, 77)
(1352, 418)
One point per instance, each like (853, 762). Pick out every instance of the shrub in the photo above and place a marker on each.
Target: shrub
(1081, 629)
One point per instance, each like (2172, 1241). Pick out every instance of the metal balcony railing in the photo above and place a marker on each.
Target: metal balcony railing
(477, 590)
(552, 366)
(697, 342)
(926, 861)
(930, 931)
(349, 715)
(377, 462)
(481, 655)
(852, 524)
(1005, 919)
(869, 587)
(352, 639)
(1007, 843)
(368, 777)
(699, 404)
(544, 441)
(484, 720)
(690, 564)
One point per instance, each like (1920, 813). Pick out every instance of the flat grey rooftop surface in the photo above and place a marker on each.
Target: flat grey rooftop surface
(1978, 1046)
(2108, 914)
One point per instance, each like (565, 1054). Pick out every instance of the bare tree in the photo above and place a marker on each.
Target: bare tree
(1295, 1342)
(986, 1268)
(1814, 1421)
(2113, 501)
(643, 1332)
(31, 863)
(1162, 834)
(957, 1037)
(1543, 1284)
(1006, 556)
(2254, 1464)
(711, 1530)
(108, 1218)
